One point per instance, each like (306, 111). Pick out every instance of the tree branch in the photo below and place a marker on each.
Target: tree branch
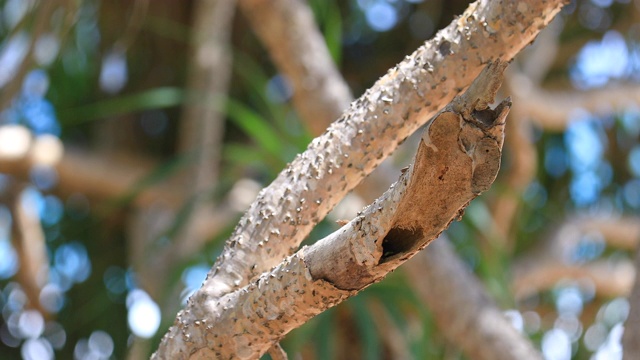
(458, 158)
(201, 130)
(398, 104)
(299, 60)
(28, 240)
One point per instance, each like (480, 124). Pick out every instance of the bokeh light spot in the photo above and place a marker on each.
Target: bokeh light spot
(37, 349)
(144, 314)
(114, 74)
(381, 16)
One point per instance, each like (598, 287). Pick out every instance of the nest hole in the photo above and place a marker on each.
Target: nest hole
(399, 241)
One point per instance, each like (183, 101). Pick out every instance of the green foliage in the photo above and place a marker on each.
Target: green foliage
(151, 99)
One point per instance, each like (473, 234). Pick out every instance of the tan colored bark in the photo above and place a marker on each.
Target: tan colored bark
(293, 61)
(399, 103)
(457, 159)
(479, 327)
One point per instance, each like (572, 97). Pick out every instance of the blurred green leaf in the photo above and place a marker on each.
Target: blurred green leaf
(325, 335)
(243, 155)
(329, 19)
(146, 100)
(157, 175)
(366, 328)
(167, 28)
(255, 126)
(256, 79)
(333, 31)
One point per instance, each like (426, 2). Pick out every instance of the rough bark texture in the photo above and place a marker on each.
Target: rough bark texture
(319, 93)
(630, 343)
(398, 104)
(479, 326)
(298, 60)
(458, 158)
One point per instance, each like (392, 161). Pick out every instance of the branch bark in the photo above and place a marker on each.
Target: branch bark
(457, 159)
(354, 145)
(397, 105)
(202, 124)
(299, 60)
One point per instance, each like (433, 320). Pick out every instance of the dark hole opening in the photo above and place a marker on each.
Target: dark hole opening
(399, 241)
(485, 117)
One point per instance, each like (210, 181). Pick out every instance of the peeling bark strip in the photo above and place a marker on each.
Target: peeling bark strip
(370, 130)
(458, 158)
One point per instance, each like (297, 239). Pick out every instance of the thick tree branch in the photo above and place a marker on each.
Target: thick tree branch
(293, 59)
(458, 158)
(369, 131)
(478, 325)
(201, 129)
(301, 60)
